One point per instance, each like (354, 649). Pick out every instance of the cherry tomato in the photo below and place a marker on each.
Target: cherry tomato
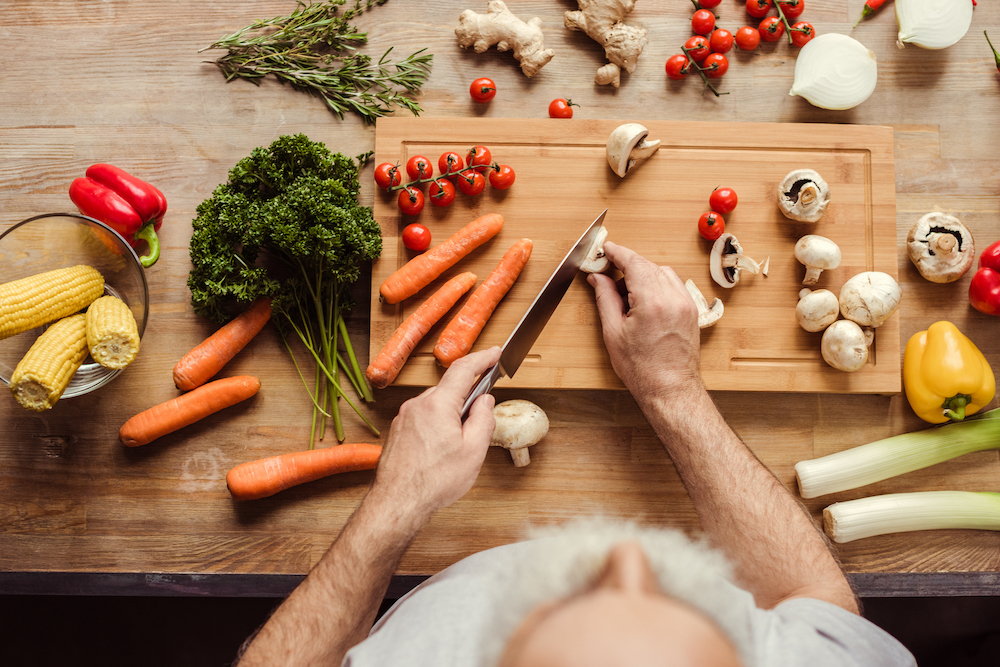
(711, 225)
(697, 47)
(703, 22)
(708, 4)
(411, 201)
(450, 162)
(677, 67)
(442, 192)
(747, 38)
(759, 8)
(561, 108)
(387, 175)
(721, 41)
(419, 167)
(483, 90)
(471, 183)
(479, 157)
(771, 29)
(802, 33)
(792, 9)
(723, 200)
(715, 65)
(501, 177)
(416, 237)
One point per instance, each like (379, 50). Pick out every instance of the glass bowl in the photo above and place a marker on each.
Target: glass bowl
(57, 240)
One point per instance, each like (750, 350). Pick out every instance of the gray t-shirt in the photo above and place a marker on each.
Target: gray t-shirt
(444, 621)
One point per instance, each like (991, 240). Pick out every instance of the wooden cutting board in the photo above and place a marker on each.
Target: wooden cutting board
(564, 181)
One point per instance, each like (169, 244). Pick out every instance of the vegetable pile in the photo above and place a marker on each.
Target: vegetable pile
(294, 202)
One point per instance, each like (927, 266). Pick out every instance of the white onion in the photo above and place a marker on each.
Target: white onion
(932, 24)
(834, 71)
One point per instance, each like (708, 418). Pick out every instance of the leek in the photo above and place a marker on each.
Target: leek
(899, 454)
(904, 512)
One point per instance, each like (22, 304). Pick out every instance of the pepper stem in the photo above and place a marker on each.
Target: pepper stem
(148, 234)
(954, 407)
(996, 56)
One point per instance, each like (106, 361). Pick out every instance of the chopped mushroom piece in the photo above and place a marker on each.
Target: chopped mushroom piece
(596, 261)
(818, 254)
(869, 298)
(707, 315)
(845, 345)
(727, 261)
(627, 146)
(816, 309)
(519, 424)
(941, 247)
(803, 195)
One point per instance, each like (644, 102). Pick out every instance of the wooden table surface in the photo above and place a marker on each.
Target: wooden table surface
(123, 82)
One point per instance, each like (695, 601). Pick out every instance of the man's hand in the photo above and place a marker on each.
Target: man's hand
(430, 459)
(654, 343)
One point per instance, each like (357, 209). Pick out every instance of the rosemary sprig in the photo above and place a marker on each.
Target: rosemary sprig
(314, 49)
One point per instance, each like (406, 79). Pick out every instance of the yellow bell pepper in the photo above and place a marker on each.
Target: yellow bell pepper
(945, 375)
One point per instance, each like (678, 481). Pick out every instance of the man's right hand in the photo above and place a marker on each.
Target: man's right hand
(653, 343)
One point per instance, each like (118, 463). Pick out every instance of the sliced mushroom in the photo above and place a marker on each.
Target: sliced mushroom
(816, 309)
(803, 195)
(845, 345)
(818, 254)
(519, 425)
(596, 262)
(941, 247)
(707, 314)
(627, 146)
(727, 261)
(869, 298)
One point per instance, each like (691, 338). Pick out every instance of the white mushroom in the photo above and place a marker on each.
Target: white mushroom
(941, 247)
(707, 315)
(596, 262)
(803, 195)
(816, 309)
(627, 146)
(869, 298)
(727, 261)
(519, 424)
(818, 254)
(845, 345)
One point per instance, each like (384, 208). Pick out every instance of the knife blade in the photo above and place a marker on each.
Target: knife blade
(516, 348)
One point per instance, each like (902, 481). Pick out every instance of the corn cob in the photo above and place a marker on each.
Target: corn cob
(43, 374)
(36, 300)
(112, 334)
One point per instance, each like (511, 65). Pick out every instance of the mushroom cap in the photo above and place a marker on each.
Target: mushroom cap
(519, 424)
(626, 145)
(596, 261)
(941, 247)
(818, 252)
(707, 314)
(869, 298)
(803, 195)
(845, 345)
(816, 309)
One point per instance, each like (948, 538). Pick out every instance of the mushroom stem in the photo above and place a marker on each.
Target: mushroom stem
(944, 244)
(740, 261)
(521, 457)
(812, 275)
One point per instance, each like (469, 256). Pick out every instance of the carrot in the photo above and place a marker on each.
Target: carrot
(265, 477)
(420, 271)
(386, 366)
(202, 363)
(186, 409)
(458, 337)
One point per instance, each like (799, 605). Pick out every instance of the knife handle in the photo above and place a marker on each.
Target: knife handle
(485, 384)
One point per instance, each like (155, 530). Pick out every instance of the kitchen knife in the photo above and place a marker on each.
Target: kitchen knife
(526, 332)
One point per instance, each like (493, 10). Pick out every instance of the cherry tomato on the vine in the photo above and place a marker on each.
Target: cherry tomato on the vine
(419, 167)
(387, 175)
(715, 65)
(802, 33)
(471, 182)
(759, 8)
(720, 41)
(703, 22)
(697, 47)
(711, 225)
(792, 9)
(723, 200)
(411, 201)
(501, 176)
(450, 162)
(561, 108)
(416, 237)
(747, 38)
(708, 4)
(441, 192)
(483, 90)
(479, 157)
(771, 29)
(677, 67)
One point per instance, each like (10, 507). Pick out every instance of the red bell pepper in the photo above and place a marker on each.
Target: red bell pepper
(984, 290)
(130, 206)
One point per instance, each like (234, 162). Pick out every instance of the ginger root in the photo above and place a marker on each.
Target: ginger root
(499, 26)
(601, 20)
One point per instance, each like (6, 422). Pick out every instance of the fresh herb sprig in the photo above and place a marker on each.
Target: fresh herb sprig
(314, 49)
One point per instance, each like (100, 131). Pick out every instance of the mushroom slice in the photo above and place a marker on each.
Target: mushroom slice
(727, 261)
(803, 195)
(596, 261)
(707, 315)
(845, 345)
(519, 424)
(941, 247)
(818, 254)
(627, 146)
(869, 298)
(816, 309)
